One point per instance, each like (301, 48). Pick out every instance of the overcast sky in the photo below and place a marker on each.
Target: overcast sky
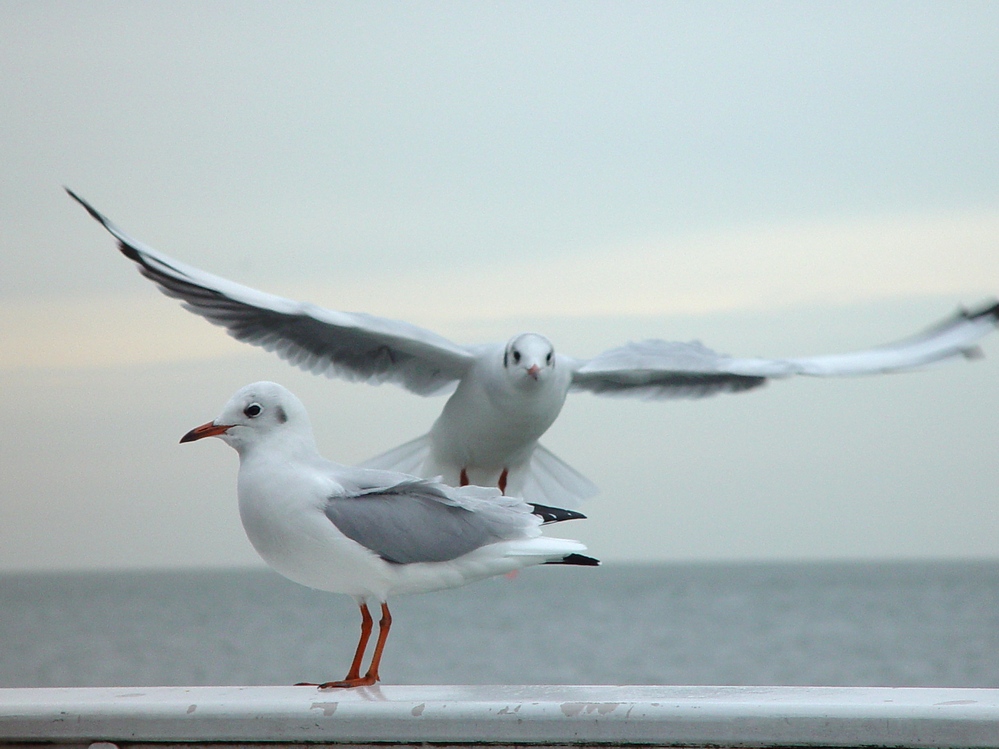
(771, 178)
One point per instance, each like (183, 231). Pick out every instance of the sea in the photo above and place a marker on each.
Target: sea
(836, 624)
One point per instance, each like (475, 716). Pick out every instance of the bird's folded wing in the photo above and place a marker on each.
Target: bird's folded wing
(415, 521)
(662, 369)
(354, 346)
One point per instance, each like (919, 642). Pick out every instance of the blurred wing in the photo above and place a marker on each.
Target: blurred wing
(660, 369)
(418, 521)
(353, 346)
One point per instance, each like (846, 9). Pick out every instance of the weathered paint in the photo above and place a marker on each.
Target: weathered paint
(524, 715)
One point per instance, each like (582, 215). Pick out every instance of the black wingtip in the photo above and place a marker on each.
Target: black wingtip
(130, 252)
(989, 310)
(578, 559)
(90, 209)
(554, 514)
(126, 249)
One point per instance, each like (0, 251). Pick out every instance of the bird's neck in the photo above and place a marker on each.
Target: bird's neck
(285, 447)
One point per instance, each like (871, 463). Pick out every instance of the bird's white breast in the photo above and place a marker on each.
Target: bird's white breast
(281, 507)
(492, 423)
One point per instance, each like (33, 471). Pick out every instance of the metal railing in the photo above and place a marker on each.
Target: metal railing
(504, 715)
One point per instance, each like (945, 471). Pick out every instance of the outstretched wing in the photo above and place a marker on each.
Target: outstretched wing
(661, 369)
(353, 346)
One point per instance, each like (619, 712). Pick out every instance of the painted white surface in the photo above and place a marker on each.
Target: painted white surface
(730, 716)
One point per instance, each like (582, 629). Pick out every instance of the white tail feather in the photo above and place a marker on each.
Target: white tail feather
(547, 547)
(409, 457)
(550, 480)
(547, 479)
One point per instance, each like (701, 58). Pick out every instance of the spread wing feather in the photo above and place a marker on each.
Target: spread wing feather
(662, 369)
(354, 346)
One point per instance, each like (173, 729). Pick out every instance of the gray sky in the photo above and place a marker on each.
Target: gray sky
(771, 178)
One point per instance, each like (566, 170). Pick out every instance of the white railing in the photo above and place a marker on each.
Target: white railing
(522, 715)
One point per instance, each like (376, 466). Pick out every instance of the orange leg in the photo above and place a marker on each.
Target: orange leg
(384, 624)
(354, 679)
(463, 479)
(362, 644)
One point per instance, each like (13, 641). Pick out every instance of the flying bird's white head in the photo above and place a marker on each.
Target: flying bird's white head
(255, 413)
(529, 357)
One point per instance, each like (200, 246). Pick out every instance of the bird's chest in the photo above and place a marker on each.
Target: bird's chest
(495, 422)
(282, 514)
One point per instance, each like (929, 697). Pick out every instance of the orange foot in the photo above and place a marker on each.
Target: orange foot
(360, 681)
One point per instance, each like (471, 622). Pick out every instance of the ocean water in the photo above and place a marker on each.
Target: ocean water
(860, 624)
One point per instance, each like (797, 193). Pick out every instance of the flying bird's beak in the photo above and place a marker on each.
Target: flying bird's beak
(533, 371)
(211, 429)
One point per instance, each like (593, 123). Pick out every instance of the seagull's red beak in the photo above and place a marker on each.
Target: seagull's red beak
(533, 371)
(211, 429)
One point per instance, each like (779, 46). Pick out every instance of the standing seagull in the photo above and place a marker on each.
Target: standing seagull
(505, 396)
(365, 532)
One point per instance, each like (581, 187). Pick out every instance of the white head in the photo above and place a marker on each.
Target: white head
(529, 356)
(254, 413)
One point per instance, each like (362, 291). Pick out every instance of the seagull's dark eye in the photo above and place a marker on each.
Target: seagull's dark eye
(548, 358)
(516, 356)
(252, 411)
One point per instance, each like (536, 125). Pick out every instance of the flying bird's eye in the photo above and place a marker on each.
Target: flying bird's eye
(548, 358)
(516, 356)
(252, 411)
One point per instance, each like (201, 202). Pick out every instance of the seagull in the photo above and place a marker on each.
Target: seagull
(504, 397)
(365, 532)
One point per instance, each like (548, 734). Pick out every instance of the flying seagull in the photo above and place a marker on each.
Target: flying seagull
(366, 532)
(505, 396)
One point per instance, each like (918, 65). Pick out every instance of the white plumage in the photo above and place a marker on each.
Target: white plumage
(506, 396)
(364, 532)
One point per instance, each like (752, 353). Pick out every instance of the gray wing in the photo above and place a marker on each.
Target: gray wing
(661, 369)
(353, 346)
(415, 521)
